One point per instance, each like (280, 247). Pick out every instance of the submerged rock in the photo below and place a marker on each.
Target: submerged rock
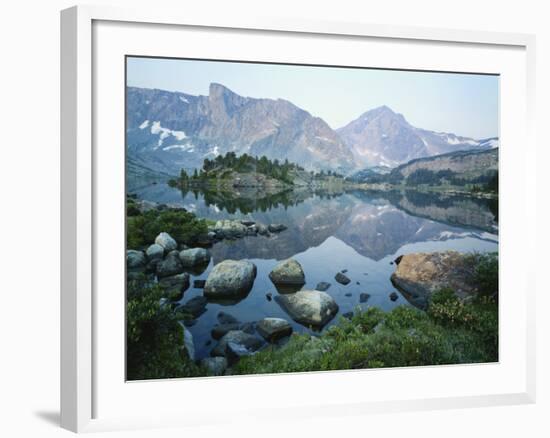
(166, 241)
(219, 331)
(394, 296)
(215, 366)
(342, 279)
(276, 228)
(244, 341)
(195, 306)
(309, 307)
(194, 256)
(419, 275)
(175, 285)
(171, 265)
(364, 297)
(226, 318)
(322, 286)
(288, 272)
(135, 259)
(230, 278)
(273, 329)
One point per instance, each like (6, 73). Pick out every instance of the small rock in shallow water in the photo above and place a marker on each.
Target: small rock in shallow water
(244, 340)
(342, 279)
(357, 283)
(343, 271)
(226, 318)
(262, 229)
(348, 315)
(199, 284)
(195, 306)
(363, 297)
(348, 294)
(221, 330)
(174, 286)
(248, 327)
(273, 329)
(269, 296)
(276, 228)
(394, 296)
(322, 286)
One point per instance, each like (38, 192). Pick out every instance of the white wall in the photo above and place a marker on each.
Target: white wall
(29, 187)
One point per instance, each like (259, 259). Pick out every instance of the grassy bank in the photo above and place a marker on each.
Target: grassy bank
(450, 332)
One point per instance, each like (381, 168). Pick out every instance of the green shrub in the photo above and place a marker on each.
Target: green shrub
(486, 273)
(154, 336)
(181, 225)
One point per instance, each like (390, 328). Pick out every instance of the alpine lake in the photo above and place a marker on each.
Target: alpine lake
(357, 232)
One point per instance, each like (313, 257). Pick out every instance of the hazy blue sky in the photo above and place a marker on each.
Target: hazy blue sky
(462, 104)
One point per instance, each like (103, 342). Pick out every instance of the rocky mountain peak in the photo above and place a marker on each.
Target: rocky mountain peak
(223, 101)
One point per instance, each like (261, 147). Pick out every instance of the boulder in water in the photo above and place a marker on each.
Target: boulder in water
(288, 272)
(309, 307)
(230, 278)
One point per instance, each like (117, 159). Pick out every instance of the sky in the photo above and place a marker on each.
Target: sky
(463, 104)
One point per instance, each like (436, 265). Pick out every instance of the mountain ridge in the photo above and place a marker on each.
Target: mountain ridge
(169, 130)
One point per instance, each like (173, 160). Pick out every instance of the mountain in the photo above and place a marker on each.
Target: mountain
(382, 137)
(479, 167)
(167, 131)
(466, 164)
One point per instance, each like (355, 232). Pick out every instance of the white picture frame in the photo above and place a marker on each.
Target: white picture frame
(79, 229)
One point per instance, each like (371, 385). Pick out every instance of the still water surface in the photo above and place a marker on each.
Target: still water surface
(358, 231)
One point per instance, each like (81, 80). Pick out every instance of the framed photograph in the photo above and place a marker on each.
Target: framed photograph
(291, 216)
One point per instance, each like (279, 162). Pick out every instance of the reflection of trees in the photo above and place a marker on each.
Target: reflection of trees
(251, 200)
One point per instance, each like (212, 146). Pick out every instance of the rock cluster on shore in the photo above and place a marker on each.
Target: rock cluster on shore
(234, 229)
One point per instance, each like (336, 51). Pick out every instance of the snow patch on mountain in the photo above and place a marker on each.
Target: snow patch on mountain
(164, 133)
